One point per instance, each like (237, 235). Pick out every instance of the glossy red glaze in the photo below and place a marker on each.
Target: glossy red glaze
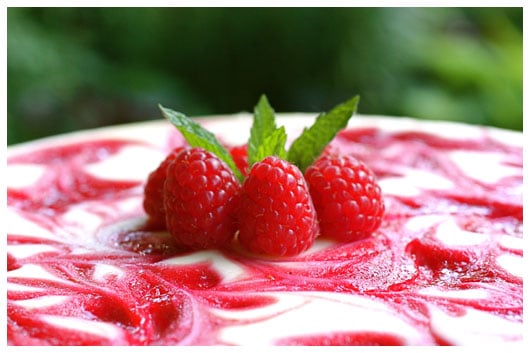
(140, 289)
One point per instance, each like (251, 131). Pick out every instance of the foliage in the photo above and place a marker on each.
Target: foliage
(74, 68)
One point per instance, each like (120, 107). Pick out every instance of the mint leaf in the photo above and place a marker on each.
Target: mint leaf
(197, 136)
(310, 144)
(273, 145)
(263, 125)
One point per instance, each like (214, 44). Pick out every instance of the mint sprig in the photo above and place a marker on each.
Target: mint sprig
(273, 145)
(263, 125)
(266, 138)
(197, 136)
(310, 144)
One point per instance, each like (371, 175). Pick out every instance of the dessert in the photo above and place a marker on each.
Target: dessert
(445, 267)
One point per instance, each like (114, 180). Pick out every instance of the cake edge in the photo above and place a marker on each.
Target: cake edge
(151, 130)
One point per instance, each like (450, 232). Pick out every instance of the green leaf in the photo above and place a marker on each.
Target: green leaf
(197, 136)
(263, 125)
(273, 145)
(310, 144)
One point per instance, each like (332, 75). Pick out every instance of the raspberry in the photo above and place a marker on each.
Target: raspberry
(240, 156)
(276, 215)
(154, 192)
(347, 197)
(200, 196)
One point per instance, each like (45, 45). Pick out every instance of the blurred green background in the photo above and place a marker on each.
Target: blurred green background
(77, 68)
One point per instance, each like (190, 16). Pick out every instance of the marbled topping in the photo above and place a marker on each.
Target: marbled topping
(445, 267)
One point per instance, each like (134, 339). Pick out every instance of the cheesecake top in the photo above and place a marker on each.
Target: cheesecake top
(444, 267)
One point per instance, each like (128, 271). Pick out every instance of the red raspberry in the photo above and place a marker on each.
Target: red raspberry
(346, 196)
(240, 156)
(154, 192)
(200, 196)
(276, 215)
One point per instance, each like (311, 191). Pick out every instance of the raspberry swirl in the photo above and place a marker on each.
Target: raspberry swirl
(444, 267)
